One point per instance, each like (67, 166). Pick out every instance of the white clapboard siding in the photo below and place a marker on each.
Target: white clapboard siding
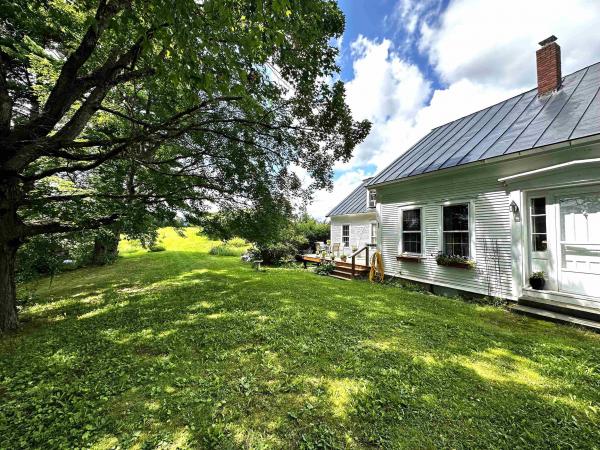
(360, 232)
(490, 225)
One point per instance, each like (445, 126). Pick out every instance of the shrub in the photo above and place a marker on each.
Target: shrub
(226, 250)
(49, 255)
(312, 230)
(325, 268)
(156, 248)
(274, 253)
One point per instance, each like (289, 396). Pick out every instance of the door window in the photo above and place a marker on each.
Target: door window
(539, 237)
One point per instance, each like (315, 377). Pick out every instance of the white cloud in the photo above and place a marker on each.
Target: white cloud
(494, 42)
(388, 91)
(324, 201)
(483, 52)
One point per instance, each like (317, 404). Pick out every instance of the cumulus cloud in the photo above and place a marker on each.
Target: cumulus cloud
(493, 43)
(324, 201)
(388, 91)
(480, 53)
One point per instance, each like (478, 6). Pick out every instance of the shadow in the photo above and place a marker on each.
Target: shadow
(185, 349)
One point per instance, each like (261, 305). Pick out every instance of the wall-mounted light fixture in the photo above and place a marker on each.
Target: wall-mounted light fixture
(514, 209)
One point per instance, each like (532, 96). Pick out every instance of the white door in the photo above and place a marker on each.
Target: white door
(579, 244)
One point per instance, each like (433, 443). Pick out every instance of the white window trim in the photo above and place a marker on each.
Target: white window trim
(540, 254)
(472, 240)
(371, 224)
(369, 206)
(349, 234)
(400, 240)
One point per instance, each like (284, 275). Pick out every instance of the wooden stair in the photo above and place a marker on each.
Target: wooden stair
(559, 312)
(343, 270)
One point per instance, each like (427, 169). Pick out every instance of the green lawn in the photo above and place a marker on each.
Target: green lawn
(181, 349)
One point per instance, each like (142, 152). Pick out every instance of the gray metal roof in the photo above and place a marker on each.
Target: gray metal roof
(355, 203)
(520, 123)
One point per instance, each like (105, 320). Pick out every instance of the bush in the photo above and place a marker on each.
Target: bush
(312, 230)
(325, 268)
(226, 250)
(156, 248)
(49, 255)
(274, 253)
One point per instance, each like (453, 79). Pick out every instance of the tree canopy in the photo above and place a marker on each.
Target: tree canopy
(118, 112)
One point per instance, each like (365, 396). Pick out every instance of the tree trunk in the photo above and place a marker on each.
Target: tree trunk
(10, 240)
(106, 247)
(8, 291)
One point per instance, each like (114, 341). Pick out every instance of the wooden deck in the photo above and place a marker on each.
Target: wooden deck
(343, 269)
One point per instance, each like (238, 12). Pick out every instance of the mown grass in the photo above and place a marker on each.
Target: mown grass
(181, 349)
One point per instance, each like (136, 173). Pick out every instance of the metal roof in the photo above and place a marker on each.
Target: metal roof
(355, 203)
(520, 123)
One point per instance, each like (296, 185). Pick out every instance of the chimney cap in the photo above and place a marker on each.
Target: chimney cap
(548, 40)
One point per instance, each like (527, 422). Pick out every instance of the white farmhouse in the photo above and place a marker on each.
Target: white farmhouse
(481, 203)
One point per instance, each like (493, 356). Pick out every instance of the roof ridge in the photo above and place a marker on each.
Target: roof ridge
(510, 98)
(469, 138)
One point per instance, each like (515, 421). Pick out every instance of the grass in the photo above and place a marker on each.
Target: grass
(226, 250)
(180, 349)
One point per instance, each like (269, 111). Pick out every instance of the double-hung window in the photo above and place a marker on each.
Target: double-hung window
(373, 233)
(346, 235)
(411, 241)
(456, 234)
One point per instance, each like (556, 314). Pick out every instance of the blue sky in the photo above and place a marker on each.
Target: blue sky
(377, 19)
(412, 65)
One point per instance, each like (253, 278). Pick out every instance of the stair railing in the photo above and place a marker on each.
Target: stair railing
(364, 249)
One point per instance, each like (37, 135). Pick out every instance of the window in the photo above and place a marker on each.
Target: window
(456, 230)
(539, 239)
(411, 231)
(372, 199)
(373, 233)
(346, 235)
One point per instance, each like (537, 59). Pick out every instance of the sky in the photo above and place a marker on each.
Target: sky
(410, 66)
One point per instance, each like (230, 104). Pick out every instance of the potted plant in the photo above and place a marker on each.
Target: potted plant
(461, 262)
(344, 258)
(354, 248)
(537, 280)
(328, 241)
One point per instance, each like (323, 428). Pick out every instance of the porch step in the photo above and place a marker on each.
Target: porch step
(340, 277)
(552, 316)
(568, 309)
(342, 273)
(348, 265)
(348, 270)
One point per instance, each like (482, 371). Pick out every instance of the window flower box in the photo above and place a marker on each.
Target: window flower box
(411, 258)
(457, 261)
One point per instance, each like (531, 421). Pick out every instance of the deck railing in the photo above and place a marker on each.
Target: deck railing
(364, 249)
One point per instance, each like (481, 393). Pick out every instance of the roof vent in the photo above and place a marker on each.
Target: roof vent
(548, 66)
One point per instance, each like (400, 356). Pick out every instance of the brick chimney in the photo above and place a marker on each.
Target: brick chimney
(548, 66)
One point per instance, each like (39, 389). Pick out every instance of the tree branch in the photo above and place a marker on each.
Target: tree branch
(64, 92)
(35, 228)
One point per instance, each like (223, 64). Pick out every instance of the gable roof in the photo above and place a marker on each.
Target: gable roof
(520, 123)
(355, 203)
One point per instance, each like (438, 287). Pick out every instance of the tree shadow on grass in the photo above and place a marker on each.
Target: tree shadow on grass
(203, 351)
